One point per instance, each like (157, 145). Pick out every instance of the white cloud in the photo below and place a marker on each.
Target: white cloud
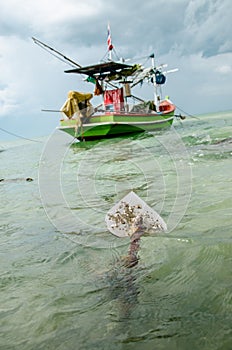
(224, 69)
(7, 101)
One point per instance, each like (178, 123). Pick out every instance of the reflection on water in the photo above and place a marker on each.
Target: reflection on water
(123, 288)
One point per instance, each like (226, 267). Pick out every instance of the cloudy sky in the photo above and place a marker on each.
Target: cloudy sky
(193, 35)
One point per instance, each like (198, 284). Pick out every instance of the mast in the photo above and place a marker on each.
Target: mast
(156, 97)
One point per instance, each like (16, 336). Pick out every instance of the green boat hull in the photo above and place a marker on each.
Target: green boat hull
(112, 125)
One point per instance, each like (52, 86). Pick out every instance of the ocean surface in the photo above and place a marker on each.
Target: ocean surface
(62, 283)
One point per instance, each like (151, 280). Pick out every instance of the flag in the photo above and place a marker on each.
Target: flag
(109, 42)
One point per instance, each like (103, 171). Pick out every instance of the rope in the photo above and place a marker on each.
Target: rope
(18, 136)
(188, 114)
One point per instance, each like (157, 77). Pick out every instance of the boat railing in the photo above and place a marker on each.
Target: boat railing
(85, 115)
(125, 109)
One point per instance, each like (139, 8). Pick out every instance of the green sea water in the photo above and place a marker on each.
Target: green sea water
(61, 282)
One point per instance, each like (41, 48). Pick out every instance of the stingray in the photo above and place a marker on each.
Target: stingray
(132, 217)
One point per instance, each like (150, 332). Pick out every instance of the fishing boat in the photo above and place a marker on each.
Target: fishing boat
(120, 111)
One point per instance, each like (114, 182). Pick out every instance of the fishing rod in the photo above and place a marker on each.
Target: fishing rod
(50, 50)
(51, 110)
(65, 58)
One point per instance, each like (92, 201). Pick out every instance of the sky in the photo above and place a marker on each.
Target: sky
(191, 35)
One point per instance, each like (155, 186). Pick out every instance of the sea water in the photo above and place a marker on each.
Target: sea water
(62, 285)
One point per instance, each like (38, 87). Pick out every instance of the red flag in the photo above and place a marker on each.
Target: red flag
(109, 42)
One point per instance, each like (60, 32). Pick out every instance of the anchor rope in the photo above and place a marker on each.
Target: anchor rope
(19, 136)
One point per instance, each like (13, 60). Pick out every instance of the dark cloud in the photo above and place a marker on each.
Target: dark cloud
(208, 27)
(199, 26)
(136, 25)
(188, 26)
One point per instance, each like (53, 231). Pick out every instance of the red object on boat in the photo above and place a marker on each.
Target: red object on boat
(113, 99)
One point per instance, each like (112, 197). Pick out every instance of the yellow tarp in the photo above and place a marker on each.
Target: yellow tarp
(76, 102)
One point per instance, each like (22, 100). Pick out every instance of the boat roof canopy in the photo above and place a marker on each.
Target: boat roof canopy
(101, 69)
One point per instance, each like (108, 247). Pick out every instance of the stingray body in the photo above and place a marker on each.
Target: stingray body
(132, 217)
